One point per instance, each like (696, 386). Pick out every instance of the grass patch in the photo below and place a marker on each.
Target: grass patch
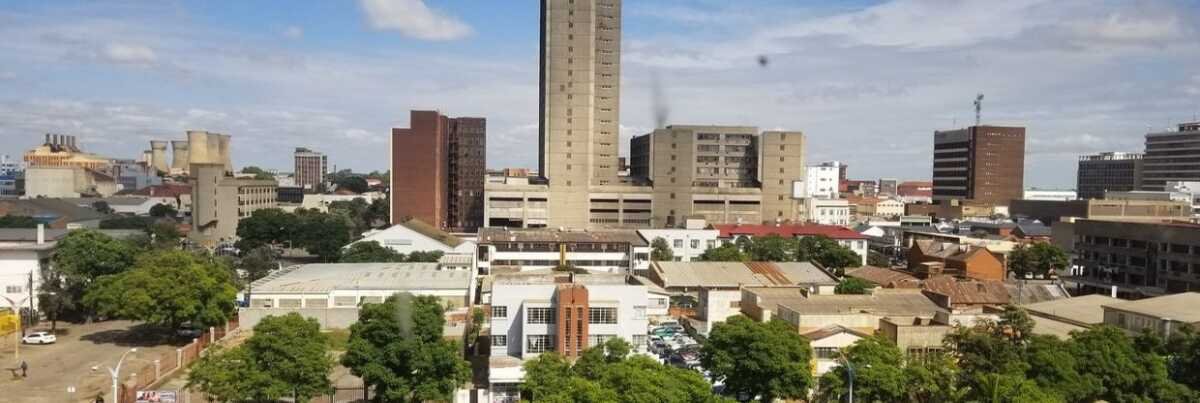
(337, 339)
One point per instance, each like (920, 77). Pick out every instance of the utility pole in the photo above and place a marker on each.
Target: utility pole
(31, 297)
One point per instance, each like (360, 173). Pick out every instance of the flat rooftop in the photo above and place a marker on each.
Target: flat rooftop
(550, 276)
(327, 277)
(886, 302)
(736, 274)
(1178, 307)
(494, 235)
(1087, 309)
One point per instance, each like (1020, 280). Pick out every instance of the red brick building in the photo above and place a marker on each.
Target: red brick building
(438, 170)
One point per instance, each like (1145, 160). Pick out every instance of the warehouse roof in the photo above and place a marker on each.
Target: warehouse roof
(1178, 307)
(888, 302)
(735, 274)
(493, 235)
(1087, 309)
(326, 277)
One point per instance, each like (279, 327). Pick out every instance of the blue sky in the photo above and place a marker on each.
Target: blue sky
(867, 81)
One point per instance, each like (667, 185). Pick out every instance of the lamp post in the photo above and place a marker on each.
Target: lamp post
(115, 373)
(850, 375)
(16, 307)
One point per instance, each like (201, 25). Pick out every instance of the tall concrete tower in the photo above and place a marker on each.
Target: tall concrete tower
(580, 71)
(158, 155)
(179, 157)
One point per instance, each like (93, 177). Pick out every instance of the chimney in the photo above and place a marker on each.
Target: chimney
(41, 234)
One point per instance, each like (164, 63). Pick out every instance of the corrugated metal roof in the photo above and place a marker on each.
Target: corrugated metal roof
(735, 274)
(323, 278)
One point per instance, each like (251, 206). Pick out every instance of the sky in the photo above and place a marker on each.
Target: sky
(867, 81)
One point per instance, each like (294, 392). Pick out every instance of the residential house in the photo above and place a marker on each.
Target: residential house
(929, 258)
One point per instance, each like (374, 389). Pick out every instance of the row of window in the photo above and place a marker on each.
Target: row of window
(541, 343)
(546, 316)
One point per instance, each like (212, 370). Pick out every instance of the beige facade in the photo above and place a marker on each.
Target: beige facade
(220, 200)
(580, 95)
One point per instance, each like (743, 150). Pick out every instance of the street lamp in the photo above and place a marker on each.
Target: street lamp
(115, 372)
(850, 374)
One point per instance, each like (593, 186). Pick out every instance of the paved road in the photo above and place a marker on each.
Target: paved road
(53, 368)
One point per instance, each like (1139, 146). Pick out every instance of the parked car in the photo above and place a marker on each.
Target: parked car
(188, 331)
(39, 338)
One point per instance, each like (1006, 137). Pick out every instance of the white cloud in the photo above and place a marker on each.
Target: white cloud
(293, 32)
(128, 54)
(413, 18)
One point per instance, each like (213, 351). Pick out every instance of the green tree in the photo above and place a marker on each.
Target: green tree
(1038, 259)
(356, 184)
(1183, 353)
(16, 221)
(878, 259)
(1008, 388)
(379, 212)
(424, 256)
(257, 263)
(853, 285)
(724, 253)
(660, 251)
(54, 299)
(258, 173)
(827, 253)
(127, 222)
(935, 379)
(476, 321)
(772, 248)
(370, 252)
(267, 227)
(167, 288)
(878, 372)
(768, 360)
(609, 373)
(292, 350)
(80, 258)
(1121, 372)
(397, 349)
(355, 212)
(163, 210)
(285, 357)
(322, 234)
(164, 233)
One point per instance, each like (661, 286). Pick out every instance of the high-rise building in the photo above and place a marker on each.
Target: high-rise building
(981, 163)
(311, 168)
(220, 200)
(580, 70)
(824, 180)
(1111, 171)
(1171, 157)
(438, 170)
(888, 187)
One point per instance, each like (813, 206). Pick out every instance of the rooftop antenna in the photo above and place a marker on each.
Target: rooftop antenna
(978, 107)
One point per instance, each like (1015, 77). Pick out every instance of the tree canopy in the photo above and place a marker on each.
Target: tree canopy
(16, 221)
(768, 360)
(397, 349)
(321, 234)
(774, 248)
(286, 356)
(257, 263)
(724, 253)
(258, 173)
(609, 373)
(163, 210)
(853, 285)
(1038, 259)
(370, 252)
(167, 288)
(81, 258)
(356, 184)
(660, 251)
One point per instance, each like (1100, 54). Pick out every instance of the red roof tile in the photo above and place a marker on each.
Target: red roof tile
(788, 230)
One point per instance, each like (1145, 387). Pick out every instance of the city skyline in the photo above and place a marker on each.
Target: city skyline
(1082, 77)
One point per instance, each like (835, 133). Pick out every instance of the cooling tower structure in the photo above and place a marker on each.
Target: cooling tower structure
(223, 146)
(179, 157)
(158, 155)
(198, 147)
(147, 155)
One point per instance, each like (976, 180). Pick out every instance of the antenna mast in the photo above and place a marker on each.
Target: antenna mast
(978, 107)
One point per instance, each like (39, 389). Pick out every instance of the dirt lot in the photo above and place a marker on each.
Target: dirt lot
(68, 363)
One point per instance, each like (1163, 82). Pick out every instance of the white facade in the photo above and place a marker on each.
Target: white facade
(1050, 194)
(717, 305)
(405, 240)
(822, 180)
(524, 318)
(18, 260)
(321, 201)
(1191, 189)
(826, 349)
(828, 211)
(686, 244)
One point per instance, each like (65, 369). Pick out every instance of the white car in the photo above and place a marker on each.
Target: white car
(39, 338)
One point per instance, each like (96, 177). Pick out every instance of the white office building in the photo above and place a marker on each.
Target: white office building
(607, 251)
(822, 180)
(686, 244)
(828, 211)
(564, 312)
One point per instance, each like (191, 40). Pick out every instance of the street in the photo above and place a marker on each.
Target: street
(68, 363)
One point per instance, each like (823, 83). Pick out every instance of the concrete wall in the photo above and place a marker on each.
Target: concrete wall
(330, 318)
(53, 182)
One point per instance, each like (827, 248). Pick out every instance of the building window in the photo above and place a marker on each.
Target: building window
(639, 312)
(543, 316)
(13, 289)
(599, 339)
(639, 341)
(826, 352)
(678, 243)
(538, 343)
(604, 316)
(499, 312)
(499, 340)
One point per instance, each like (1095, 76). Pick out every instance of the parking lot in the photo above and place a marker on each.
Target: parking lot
(68, 363)
(673, 346)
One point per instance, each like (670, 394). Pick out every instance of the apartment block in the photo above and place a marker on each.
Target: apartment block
(1172, 156)
(1139, 258)
(823, 180)
(438, 170)
(981, 163)
(310, 168)
(563, 312)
